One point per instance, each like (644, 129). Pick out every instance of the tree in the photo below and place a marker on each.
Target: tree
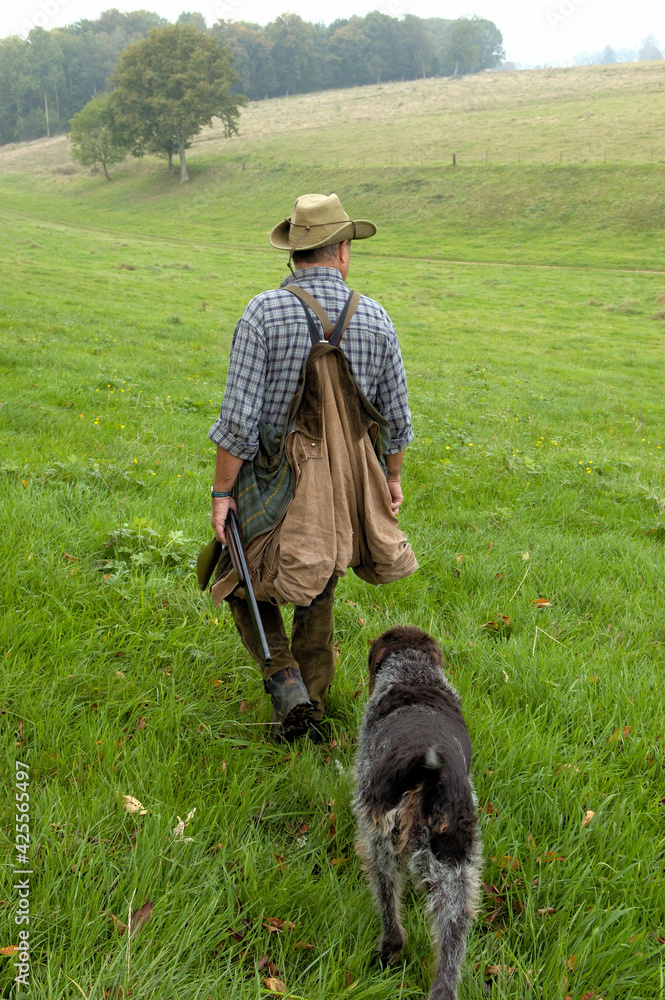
(94, 135)
(45, 61)
(472, 44)
(168, 86)
(189, 17)
(649, 50)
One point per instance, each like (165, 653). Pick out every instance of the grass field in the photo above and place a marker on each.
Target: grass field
(530, 301)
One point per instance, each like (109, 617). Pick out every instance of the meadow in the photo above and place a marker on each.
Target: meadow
(528, 290)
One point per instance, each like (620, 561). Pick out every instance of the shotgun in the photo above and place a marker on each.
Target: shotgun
(239, 561)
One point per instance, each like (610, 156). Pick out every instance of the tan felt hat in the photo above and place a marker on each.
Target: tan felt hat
(318, 220)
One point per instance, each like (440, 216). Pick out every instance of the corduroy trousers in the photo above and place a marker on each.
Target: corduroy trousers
(311, 649)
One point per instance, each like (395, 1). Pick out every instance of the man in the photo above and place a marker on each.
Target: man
(271, 343)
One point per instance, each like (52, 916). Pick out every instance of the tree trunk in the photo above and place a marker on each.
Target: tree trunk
(184, 176)
(48, 131)
(106, 173)
(171, 167)
(57, 103)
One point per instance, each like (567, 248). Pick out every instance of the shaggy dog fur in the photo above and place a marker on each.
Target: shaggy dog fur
(414, 802)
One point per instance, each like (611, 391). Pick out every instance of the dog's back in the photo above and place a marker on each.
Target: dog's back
(414, 797)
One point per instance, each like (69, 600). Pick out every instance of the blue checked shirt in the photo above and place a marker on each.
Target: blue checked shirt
(270, 344)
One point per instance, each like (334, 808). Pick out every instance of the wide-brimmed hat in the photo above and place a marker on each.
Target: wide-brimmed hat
(318, 220)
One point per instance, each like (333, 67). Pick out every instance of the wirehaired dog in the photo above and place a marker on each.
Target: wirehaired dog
(414, 802)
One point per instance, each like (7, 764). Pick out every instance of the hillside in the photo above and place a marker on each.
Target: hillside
(553, 167)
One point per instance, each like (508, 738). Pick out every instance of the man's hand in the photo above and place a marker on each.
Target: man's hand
(396, 495)
(220, 509)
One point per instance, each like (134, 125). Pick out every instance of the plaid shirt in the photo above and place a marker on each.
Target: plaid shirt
(270, 344)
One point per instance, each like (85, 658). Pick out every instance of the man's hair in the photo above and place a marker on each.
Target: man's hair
(317, 256)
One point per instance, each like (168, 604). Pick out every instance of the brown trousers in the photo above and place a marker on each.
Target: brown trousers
(311, 650)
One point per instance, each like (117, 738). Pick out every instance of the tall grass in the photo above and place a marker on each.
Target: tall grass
(537, 473)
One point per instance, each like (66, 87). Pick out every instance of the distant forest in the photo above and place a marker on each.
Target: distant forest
(50, 76)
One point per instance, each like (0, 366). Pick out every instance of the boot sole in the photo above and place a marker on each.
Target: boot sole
(296, 722)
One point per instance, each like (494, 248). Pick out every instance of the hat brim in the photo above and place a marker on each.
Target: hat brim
(280, 237)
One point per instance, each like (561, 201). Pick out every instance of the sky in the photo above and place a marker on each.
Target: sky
(535, 32)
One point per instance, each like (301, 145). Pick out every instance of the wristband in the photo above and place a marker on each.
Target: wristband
(220, 494)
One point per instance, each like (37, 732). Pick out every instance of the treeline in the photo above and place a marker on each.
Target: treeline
(48, 77)
(292, 56)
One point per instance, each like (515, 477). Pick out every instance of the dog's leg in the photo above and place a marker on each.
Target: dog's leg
(452, 895)
(384, 870)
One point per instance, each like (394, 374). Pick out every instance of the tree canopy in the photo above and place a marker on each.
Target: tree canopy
(168, 86)
(94, 135)
(46, 78)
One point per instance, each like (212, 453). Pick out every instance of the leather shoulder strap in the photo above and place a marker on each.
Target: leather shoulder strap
(344, 318)
(314, 305)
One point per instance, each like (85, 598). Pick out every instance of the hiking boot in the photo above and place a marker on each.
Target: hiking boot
(291, 707)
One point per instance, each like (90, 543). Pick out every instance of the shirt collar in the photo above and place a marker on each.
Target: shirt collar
(307, 274)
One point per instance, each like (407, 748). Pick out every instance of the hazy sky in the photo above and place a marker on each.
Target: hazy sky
(534, 31)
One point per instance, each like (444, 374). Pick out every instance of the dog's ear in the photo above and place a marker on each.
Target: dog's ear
(378, 651)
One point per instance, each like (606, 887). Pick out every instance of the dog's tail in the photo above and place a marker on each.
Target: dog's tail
(439, 800)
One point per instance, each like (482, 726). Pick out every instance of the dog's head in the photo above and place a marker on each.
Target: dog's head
(400, 637)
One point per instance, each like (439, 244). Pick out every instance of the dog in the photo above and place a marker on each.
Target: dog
(414, 802)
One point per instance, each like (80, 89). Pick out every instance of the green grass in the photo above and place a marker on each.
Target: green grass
(537, 471)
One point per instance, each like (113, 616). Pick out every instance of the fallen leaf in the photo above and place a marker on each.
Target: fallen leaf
(141, 723)
(139, 919)
(551, 856)
(459, 558)
(242, 707)
(133, 805)
(571, 962)
(274, 985)
(525, 556)
(118, 924)
(302, 945)
(546, 911)
(506, 861)
(275, 925)
(499, 576)
(621, 733)
(500, 970)
(352, 603)
(498, 624)
(362, 621)
(493, 893)
(10, 949)
(69, 558)
(541, 602)
(216, 683)
(589, 816)
(262, 962)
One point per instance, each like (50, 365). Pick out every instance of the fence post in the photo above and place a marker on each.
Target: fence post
(454, 160)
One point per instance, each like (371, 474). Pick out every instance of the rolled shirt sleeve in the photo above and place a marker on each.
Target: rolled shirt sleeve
(237, 427)
(391, 395)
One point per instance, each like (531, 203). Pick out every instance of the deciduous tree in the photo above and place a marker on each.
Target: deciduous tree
(169, 85)
(94, 135)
